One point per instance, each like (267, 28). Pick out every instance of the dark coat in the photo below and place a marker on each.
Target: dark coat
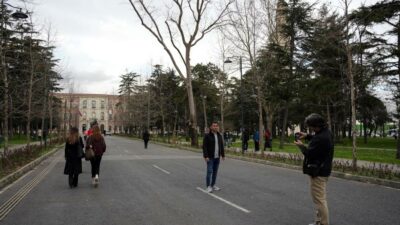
(209, 145)
(99, 146)
(319, 152)
(73, 157)
(146, 136)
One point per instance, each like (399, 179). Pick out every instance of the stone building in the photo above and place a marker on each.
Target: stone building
(81, 109)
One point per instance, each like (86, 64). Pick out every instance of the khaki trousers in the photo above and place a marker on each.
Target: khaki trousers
(318, 194)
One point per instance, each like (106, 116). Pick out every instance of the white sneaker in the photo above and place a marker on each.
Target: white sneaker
(209, 189)
(215, 188)
(96, 180)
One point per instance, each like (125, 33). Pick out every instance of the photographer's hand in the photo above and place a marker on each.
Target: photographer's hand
(298, 143)
(302, 135)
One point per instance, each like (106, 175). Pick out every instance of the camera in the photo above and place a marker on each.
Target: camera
(296, 136)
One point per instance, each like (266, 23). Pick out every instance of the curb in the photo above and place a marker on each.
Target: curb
(20, 172)
(341, 175)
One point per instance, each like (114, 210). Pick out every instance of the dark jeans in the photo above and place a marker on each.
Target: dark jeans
(267, 144)
(245, 145)
(212, 170)
(95, 161)
(256, 146)
(73, 179)
(145, 143)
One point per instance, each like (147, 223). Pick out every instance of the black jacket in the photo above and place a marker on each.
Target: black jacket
(319, 153)
(73, 157)
(209, 146)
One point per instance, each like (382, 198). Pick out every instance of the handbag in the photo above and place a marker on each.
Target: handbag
(89, 153)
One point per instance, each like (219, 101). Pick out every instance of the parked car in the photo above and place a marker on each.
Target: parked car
(107, 133)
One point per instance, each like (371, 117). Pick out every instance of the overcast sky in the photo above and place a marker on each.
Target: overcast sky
(98, 40)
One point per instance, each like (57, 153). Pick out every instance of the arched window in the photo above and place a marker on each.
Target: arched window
(84, 104)
(93, 104)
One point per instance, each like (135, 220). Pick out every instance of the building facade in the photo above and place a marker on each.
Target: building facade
(80, 110)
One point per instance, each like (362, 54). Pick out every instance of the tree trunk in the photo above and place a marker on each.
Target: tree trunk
(30, 90)
(328, 115)
(260, 121)
(222, 111)
(398, 90)
(284, 126)
(50, 105)
(192, 110)
(365, 130)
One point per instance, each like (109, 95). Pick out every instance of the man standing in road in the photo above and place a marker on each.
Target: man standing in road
(317, 163)
(213, 150)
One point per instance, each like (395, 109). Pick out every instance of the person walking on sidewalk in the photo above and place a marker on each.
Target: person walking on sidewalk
(317, 163)
(256, 139)
(268, 141)
(146, 138)
(213, 150)
(73, 157)
(97, 143)
(245, 140)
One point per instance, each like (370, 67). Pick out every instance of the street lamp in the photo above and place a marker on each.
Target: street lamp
(228, 60)
(203, 97)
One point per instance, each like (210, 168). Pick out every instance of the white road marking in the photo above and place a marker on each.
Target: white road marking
(225, 201)
(155, 166)
(15, 182)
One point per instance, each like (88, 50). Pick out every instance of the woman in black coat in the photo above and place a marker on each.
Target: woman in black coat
(73, 157)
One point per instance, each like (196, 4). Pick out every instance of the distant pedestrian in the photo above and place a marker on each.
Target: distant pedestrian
(245, 140)
(268, 140)
(256, 139)
(317, 163)
(213, 149)
(39, 134)
(73, 157)
(227, 138)
(97, 143)
(146, 138)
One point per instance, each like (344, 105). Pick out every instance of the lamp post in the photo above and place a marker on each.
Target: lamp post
(16, 15)
(203, 98)
(241, 92)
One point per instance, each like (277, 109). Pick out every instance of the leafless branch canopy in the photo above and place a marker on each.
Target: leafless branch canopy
(187, 23)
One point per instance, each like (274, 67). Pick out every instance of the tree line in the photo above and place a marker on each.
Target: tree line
(29, 76)
(298, 57)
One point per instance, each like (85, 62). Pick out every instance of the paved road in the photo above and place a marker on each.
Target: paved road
(161, 186)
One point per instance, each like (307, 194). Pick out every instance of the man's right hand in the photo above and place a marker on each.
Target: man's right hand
(207, 159)
(302, 135)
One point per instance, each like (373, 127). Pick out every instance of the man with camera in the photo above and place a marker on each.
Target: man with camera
(317, 163)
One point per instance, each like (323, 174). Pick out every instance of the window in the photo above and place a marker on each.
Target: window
(93, 104)
(84, 104)
(102, 116)
(102, 104)
(93, 115)
(84, 115)
(109, 116)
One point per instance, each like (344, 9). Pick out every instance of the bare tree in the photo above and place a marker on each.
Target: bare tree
(186, 24)
(350, 76)
(248, 29)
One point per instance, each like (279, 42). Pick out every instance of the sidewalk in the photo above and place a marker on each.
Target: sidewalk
(360, 163)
